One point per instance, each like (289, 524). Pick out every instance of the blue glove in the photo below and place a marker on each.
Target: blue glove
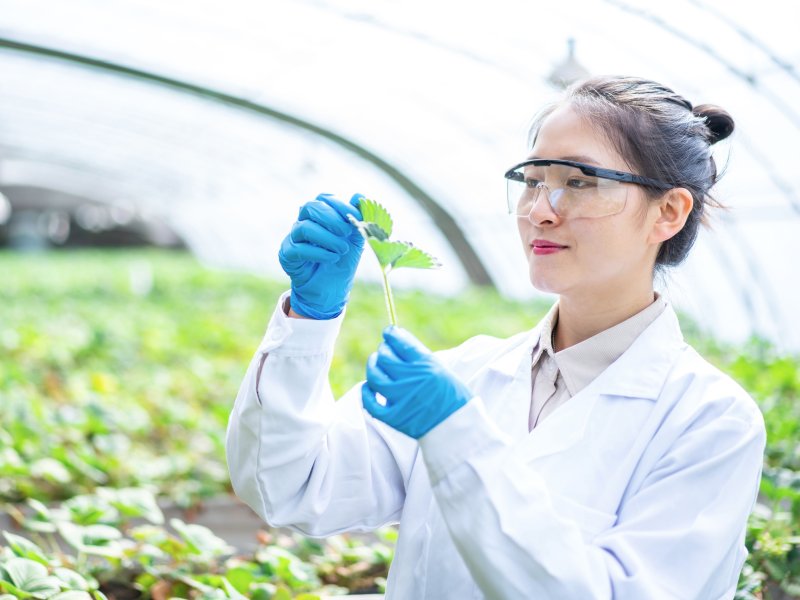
(420, 392)
(321, 254)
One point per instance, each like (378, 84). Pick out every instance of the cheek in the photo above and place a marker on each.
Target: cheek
(523, 229)
(600, 246)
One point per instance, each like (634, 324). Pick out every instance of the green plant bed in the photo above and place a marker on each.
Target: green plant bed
(116, 543)
(119, 370)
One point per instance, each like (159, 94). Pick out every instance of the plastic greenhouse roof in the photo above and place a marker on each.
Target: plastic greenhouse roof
(421, 105)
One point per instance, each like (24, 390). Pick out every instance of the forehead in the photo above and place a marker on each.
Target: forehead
(567, 135)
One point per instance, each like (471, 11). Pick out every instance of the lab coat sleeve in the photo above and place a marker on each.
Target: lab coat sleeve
(298, 457)
(673, 538)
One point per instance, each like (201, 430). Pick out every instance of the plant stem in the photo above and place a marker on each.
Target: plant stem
(387, 292)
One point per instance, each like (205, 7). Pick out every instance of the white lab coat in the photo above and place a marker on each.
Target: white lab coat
(637, 488)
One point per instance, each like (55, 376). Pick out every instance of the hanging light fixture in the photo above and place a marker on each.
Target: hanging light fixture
(568, 71)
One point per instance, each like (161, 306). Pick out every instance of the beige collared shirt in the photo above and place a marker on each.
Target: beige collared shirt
(557, 376)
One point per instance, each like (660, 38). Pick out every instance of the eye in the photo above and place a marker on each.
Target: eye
(532, 182)
(575, 183)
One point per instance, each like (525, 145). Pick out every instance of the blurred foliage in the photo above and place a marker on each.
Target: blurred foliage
(120, 368)
(114, 542)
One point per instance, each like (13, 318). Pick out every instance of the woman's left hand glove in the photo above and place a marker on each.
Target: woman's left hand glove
(420, 392)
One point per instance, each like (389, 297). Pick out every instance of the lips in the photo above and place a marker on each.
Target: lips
(544, 247)
(537, 243)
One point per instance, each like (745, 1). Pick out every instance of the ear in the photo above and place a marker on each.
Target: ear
(671, 213)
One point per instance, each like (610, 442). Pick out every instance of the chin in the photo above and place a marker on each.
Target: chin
(546, 284)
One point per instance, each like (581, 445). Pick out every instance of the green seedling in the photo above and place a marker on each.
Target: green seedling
(376, 227)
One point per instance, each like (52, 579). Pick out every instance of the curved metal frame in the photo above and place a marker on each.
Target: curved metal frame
(473, 265)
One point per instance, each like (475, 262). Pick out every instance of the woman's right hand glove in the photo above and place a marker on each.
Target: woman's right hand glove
(321, 254)
(420, 391)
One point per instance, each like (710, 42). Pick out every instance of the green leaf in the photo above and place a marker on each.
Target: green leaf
(88, 509)
(41, 510)
(232, 592)
(241, 578)
(262, 591)
(387, 534)
(50, 470)
(99, 540)
(373, 212)
(282, 593)
(776, 569)
(133, 503)
(388, 252)
(13, 591)
(72, 579)
(31, 577)
(368, 230)
(201, 539)
(71, 595)
(25, 548)
(194, 583)
(417, 259)
(20, 571)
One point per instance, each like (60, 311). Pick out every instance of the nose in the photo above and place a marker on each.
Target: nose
(543, 212)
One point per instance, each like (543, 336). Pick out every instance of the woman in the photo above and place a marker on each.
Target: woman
(596, 456)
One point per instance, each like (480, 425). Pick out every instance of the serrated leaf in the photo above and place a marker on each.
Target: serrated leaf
(416, 259)
(376, 227)
(388, 252)
(368, 230)
(373, 212)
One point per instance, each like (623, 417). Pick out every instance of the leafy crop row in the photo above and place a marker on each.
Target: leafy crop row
(119, 370)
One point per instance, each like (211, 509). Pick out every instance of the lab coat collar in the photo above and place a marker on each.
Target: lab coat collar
(518, 358)
(639, 373)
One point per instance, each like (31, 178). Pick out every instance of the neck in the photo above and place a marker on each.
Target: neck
(580, 318)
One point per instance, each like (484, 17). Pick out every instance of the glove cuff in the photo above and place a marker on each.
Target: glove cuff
(303, 309)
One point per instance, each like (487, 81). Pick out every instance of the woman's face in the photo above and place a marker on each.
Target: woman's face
(602, 254)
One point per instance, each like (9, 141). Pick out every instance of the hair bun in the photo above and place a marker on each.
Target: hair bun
(719, 122)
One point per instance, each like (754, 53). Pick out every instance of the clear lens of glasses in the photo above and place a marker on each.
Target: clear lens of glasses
(572, 194)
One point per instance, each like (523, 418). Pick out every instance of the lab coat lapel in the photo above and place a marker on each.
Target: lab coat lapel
(639, 373)
(510, 384)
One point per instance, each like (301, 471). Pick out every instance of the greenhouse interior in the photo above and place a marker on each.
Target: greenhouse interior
(154, 156)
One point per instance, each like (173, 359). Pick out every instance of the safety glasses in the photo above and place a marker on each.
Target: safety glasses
(575, 190)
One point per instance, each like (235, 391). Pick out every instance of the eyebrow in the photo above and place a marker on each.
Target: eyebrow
(576, 158)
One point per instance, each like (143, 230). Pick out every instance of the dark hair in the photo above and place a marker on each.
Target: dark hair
(660, 135)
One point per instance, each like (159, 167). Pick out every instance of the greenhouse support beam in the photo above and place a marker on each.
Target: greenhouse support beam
(473, 265)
